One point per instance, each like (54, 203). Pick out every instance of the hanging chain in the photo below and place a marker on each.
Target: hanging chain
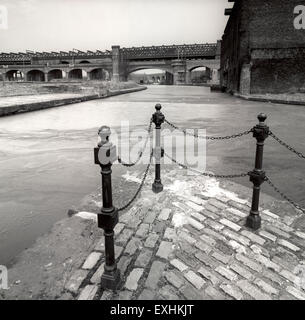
(284, 196)
(140, 187)
(141, 152)
(233, 136)
(299, 154)
(211, 175)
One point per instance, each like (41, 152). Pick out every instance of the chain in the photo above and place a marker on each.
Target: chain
(140, 153)
(233, 136)
(140, 187)
(299, 154)
(294, 204)
(210, 175)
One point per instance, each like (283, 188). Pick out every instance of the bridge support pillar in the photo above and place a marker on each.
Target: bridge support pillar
(188, 77)
(116, 63)
(46, 77)
(179, 67)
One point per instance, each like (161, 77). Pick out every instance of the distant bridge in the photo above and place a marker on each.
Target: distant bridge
(177, 61)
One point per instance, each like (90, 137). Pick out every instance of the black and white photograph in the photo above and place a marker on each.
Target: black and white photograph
(152, 150)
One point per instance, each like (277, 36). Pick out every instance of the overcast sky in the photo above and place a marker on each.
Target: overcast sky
(52, 25)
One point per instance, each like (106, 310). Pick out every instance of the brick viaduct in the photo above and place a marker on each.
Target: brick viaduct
(177, 62)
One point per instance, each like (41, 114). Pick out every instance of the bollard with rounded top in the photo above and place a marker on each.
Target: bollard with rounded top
(105, 155)
(257, 176)
(158, 118)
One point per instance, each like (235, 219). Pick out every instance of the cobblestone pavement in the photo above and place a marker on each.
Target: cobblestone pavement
(190, 242)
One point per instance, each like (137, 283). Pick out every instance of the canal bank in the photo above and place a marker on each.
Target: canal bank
(188, 242)
(55, 100)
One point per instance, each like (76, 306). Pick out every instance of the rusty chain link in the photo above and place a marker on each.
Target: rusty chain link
(140, 187)
(233, 136)
(281, 142)
(284, 196)
(211, 175)
(128, 165)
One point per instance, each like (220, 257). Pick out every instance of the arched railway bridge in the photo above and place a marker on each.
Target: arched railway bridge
(177, 61)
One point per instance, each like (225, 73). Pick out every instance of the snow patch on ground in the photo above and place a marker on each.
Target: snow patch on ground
(179, 219)
(87, 215)
(131, 177)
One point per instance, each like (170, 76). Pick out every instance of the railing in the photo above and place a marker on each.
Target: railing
(105, 156)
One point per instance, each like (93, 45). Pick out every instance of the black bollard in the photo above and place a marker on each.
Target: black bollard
(257, 176)
(158, 119)
(105, 156)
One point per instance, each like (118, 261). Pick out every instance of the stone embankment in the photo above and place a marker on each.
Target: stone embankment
(188, 242)
(19, 98)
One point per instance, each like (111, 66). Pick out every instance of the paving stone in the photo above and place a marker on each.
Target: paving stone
(242, 271)
(133, 245)
(133, 279)
(167, 292)
(187, 258)
(300, 295)
(209, 275)
(124, 237)
(96, 278)
(207, 260)
(92, 260)
(170, 234)
(203, 247)
(159, 227)
(88, 293)
(125, 295)
(194, 206)
(213, 234)
(237, 212)
(277, 232)
(174, 279)
(190, 293)
(100, 245)
(165, 249)
(273, 277)
(252, 291)
(144, 258)
(221, 257)
(197, 200)
(179, 265)
(150, 217)
(207, 240)
(253, 237)
(238, 247)
(214, 225)
(214, 293)
(212, 209)
(164, 215)
(266, 287)
(187, 237)
(151, 240)
(288, 245)
(290, 276)
(260, 250)
(197, 225)
(142, 232)
(194, 279)
(124, 263)
(300, 234)
(268, 235)
(218, 204)
(107, 295)
(118, 251)
(198, 216)
(230, 224)
(155, 274)
(232, 291)
(249, 262)
(228, 274)
(147, 294)
(239, 206)
(271, 214)
(237, 237)
(76, 280)
(209, 214)
(118, 228)
(282, 226)
(267, 262)
(286, 262)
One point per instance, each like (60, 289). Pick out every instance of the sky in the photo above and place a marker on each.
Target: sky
(54, 25)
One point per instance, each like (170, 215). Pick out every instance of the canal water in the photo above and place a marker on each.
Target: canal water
(46, 157)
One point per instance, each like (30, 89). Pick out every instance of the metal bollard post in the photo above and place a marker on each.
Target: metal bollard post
(257, 176)
(158, 119)
(105, 155)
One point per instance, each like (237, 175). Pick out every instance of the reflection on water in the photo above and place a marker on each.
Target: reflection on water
(46, 161)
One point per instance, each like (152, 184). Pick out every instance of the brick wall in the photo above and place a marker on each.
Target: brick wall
(266, 27)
